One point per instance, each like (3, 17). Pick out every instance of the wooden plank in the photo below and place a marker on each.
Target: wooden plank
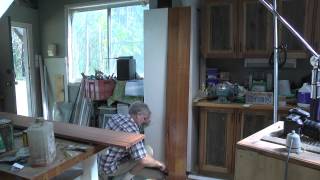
(59, 87)
(177, 93)
(82, 134)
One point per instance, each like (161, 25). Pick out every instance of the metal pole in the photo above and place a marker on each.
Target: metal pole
(275, 65)
(289, 27)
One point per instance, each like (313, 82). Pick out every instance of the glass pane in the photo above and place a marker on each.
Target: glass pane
(127, 35)
(220, 27)
(216, 139)
(296, 19)
(256, 26)
(89, 43)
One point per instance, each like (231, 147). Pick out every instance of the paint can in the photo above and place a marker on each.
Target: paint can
(6, 133)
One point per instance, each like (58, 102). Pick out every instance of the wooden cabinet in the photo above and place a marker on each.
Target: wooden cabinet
(219, 36)
(317, 27)
(216, 140)
(299, 13)
(254, 121)
(221, 127)
(244, 28)
(255, 29)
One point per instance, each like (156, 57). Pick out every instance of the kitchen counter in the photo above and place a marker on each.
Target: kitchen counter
(211, 104)
(258, 159)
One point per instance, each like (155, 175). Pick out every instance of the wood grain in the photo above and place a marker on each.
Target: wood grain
(177, 93)
(282, 109)
(59, 87)
(254, 143)
(82, 134)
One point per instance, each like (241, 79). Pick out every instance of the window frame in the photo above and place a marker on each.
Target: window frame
(90, 6)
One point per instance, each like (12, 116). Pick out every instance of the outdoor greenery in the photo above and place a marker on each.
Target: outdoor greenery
(18, 52)
(94, 49)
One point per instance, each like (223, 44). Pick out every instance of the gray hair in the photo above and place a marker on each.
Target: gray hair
(139, 107)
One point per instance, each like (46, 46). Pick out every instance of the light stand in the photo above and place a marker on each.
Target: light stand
(314, 60)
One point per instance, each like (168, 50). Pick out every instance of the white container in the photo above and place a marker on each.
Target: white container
(304, 96)
(41, 143)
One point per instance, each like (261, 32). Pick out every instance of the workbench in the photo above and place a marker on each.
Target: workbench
(93, 139)
(259, 159)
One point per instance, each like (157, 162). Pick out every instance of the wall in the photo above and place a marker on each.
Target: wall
(19, 13)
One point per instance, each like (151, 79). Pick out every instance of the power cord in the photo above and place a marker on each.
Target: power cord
(287, 162)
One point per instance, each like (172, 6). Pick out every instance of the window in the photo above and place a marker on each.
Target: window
(98, 36)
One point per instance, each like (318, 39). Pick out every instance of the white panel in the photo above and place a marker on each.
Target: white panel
(155, 62)
(192, 146)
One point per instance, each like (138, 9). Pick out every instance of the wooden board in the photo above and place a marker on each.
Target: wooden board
(59, 87)
(79, 133)
(177, 93)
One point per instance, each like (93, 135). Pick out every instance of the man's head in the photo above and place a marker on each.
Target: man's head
(140, 113)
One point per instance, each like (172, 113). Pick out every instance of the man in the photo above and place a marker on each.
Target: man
(125, 164)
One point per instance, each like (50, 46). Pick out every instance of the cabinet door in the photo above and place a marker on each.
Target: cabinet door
(219, 38)
(216, 141)
(317, 27)
(254, 121)
(255, 29)
(298, 13)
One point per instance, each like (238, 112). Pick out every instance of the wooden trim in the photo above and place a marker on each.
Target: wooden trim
(177, 94)
(73, 132)
(208, 104)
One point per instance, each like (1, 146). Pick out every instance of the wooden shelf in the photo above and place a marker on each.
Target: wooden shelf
(209, 104)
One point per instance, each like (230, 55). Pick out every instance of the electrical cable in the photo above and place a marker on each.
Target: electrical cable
(282, 61)
(287, 162)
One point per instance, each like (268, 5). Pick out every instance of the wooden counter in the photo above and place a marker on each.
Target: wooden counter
(212, 104)
(257, 159)
(63, 161)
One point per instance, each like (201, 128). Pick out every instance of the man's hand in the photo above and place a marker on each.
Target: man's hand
(162, 167)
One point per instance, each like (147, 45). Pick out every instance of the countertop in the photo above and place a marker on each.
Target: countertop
(212, 104)
(254, 143)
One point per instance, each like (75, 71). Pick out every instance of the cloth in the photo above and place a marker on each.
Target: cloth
(119, 95)
(110, 160)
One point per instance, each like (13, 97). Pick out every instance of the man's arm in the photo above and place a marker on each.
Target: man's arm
(147, 161)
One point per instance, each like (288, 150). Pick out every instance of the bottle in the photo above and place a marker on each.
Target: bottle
(304, 96)
(41, 143)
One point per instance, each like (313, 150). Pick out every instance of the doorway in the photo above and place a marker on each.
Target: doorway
(21, 34)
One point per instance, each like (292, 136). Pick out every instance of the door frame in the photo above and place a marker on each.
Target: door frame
(30, 68)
